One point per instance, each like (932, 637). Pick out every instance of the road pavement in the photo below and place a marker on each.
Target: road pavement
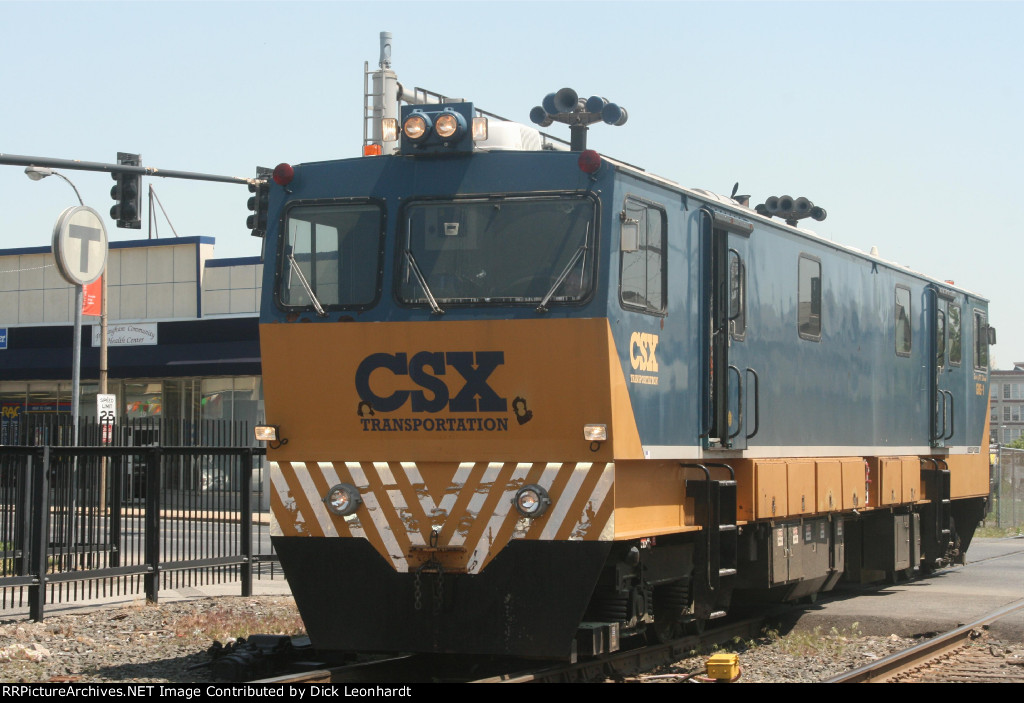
(993, 577)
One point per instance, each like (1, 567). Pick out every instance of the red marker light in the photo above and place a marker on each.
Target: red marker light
(589, 161)
(283, 174)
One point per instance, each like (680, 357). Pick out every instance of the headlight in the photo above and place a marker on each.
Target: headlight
(479, 129)
(446, 125)
(343, 499)
(266, 433)
(416, 127)
(531, 501)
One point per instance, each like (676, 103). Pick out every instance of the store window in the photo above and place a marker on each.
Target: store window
(13, 399)
(143, 399)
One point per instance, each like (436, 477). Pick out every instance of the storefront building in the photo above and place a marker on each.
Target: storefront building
(183, 339)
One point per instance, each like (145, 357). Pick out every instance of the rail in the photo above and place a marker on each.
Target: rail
(888, 667)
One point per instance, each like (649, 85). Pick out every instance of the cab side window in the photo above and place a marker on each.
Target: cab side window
(902, 321)
(809, 298)
(642, 263)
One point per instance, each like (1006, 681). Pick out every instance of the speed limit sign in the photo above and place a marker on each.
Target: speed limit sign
(106, 411)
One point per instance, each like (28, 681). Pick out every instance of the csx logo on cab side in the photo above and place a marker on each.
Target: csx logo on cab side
(642, 346)
(424, 369)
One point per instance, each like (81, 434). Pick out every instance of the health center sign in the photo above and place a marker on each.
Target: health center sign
(127, 335)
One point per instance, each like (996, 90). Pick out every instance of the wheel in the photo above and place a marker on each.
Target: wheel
(663, 632)
(671, 603)
(695, 626)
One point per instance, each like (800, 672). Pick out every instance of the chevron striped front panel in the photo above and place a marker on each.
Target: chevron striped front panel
(450, 516)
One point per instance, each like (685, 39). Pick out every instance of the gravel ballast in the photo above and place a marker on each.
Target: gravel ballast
(165, 643)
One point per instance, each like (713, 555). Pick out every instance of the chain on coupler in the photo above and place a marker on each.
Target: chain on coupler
(435, 567)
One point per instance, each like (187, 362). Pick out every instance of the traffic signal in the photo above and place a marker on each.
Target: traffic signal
(259, 202)
(127, 194)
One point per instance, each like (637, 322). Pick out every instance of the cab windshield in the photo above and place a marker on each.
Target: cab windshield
(330, 256)
(500, 250)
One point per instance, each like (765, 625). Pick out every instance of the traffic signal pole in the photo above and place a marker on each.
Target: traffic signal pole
(17, 160)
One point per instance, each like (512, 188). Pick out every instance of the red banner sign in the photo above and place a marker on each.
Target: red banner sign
(91, 298)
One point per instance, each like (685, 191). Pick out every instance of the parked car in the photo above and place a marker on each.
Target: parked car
(213, 476)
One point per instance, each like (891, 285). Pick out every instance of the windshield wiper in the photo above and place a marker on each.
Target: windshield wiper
(561, 278)
(306, 287)
(423, 282)
(543, 307)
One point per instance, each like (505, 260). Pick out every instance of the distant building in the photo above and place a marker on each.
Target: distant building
(183, 338)
(1007, 404)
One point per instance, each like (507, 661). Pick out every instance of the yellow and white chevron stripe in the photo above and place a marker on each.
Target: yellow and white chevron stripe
(456, 515)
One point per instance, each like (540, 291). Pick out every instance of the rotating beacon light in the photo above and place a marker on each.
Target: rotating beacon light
(567, 107)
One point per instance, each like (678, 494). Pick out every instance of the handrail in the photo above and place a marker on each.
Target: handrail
(740, 398)
(757, 402)
(707, 502)
(936, 434)
(709, 518)
(708, 420)
(952, 415)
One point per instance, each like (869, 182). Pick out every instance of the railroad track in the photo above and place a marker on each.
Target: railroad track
(433, 668)
(960, 655)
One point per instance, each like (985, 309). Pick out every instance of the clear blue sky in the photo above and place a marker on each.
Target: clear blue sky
(901, 119)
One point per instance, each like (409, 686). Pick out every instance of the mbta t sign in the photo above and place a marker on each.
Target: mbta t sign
(80, 245)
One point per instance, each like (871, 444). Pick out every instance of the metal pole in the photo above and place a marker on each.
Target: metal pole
(76, 399)
(1013, 490)
(40, 508)
(103, 388)
(80, 201)
(76, 361)
(999, 483)
(19, 160)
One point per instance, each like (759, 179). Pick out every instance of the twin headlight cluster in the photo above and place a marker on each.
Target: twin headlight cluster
(447, 125)
(531, 501)
(448, 128)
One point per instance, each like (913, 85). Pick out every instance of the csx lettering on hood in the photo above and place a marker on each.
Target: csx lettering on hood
(424, 370)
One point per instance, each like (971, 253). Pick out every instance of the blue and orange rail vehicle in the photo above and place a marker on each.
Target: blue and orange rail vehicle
(531, 401)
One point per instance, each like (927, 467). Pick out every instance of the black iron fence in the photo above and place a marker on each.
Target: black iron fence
(134, 508)
(1007, 490)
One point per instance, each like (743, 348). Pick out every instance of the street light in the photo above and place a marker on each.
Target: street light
(38, 173)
